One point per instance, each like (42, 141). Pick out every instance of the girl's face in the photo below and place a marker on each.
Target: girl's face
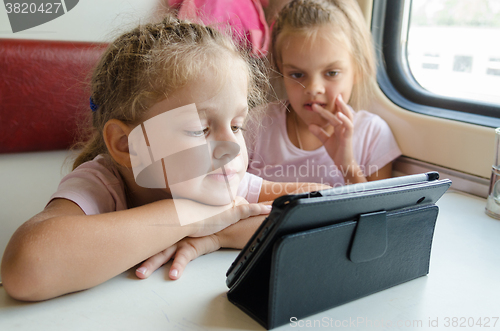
(198, 129)
(315, 70)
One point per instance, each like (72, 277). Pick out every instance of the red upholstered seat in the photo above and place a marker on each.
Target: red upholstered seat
(43, 92)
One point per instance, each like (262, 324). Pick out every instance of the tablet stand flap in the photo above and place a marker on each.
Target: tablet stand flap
(370, 238)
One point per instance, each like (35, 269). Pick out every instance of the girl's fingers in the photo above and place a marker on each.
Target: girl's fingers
(321, 134)
(188, 250)
(347, 123)
(184, 255)
(343, 107)
(330, 117)
(230, 216)
(154, 262)
(219, 221)
(243, 208)
(240, 201)
(247, 210)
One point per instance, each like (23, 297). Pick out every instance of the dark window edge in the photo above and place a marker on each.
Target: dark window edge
(397, 83)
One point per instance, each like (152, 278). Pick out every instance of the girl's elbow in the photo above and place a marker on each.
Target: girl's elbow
(21, 277)
(16, 287)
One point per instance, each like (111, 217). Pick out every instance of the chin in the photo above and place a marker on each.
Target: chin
(218, 193)
(215, 198)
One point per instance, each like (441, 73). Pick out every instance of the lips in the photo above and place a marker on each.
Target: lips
(220, 177)
(309, 105)
(227, 172)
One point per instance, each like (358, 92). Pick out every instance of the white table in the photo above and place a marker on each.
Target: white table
(463, 282)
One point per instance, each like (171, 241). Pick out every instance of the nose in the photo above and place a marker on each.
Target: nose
(224, 146)
(223, 152)
(315, 86)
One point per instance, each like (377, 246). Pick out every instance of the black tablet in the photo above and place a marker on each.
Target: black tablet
(299, 212)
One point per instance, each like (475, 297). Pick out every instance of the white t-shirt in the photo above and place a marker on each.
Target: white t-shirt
(273, 157)
(97, 187)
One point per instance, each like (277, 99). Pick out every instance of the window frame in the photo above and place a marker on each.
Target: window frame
(390, 24)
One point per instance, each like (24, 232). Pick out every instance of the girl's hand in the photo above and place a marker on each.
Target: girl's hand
(339, 144)
(183, 252)
(188, 249)
(228, 215)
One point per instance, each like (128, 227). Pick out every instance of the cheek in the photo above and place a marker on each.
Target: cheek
(294, 92)
(334, 89)
(184, 142)
(243, 151)
(292, 85)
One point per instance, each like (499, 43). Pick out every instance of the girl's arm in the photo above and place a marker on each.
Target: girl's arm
(234, 236)
(62, 250)
(273, 190)
(382, 173)
(188, 249)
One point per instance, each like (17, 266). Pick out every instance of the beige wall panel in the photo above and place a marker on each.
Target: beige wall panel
(366, 7)
(459, 146)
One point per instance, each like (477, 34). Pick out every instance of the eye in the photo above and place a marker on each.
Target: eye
(236, 128)
(296, 75)
(199, 133)
(333, 73)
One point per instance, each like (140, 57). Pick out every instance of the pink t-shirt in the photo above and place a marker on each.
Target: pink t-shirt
(97, 187)
(273, 157)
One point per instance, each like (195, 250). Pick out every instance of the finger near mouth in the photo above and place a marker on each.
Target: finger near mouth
(311, 105)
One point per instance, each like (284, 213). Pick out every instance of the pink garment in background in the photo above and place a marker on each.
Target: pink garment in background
(245, 17)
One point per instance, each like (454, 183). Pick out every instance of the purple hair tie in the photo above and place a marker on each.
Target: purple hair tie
(93, 106)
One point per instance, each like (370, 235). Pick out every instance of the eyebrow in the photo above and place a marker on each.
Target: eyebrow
(243, 110)
(332, 64)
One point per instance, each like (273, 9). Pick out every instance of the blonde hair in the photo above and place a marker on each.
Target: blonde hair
(149, 63)
(344, 16)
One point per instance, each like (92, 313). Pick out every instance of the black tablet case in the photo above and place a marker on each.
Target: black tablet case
(314, 270)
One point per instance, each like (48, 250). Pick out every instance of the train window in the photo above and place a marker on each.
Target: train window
(441, 57)
(452, 50)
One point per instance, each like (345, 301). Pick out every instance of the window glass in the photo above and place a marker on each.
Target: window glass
(454, 47)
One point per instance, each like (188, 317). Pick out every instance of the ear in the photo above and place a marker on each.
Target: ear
(116, 138)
